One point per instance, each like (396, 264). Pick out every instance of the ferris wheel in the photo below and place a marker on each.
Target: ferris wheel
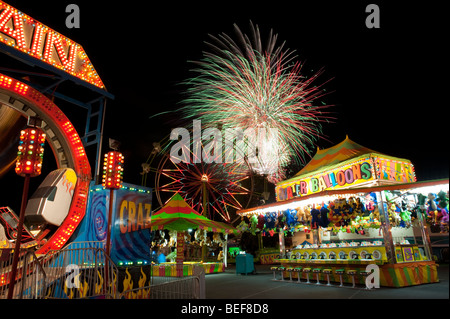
(214, 189)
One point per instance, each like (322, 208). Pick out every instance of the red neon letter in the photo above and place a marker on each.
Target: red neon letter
(54, 40)
(17, 22)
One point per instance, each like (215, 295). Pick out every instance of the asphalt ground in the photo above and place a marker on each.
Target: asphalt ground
(229, 285)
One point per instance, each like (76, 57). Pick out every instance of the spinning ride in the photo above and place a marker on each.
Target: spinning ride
(52, 64)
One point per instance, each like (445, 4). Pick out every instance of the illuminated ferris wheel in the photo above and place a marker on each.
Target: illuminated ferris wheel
(214, 189)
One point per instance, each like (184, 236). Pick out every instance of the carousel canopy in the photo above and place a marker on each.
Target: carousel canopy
(178, 215)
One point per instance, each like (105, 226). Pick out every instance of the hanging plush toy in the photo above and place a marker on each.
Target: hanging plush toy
(444, 221)
(216, 238)
(307, 211)
(405, 215)
(293, 213)
(375, 214)
(359, 207)
(434, 213)
(392, 214)
(443, 206)
(443, 200)
(173, 238)
(199, 236)
(270, 220)
(336, 212)
(253, 224)
(352, 205)
(187, 236)
(324, 216)
(336, 217)
(220, 255)
(301, 215)
(289, 216)
(281, 221)
(421, 209)
(371, 202)
(315, 213)
(406, 218)
(346, 213)
(432, 209)
(261, 222)
(242, 227)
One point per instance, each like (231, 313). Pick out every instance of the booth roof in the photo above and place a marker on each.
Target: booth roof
(178, 215)
(344, 151)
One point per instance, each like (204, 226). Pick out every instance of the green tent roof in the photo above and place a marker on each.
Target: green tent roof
(178, 215)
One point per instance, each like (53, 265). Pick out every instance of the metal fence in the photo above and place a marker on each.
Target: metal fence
(80, 273)
(68, 273)
(30, 279)
(85, 271)
(85, 244)
(190, 287)
(185, 288)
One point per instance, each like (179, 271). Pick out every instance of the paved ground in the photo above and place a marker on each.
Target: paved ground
(228, 285)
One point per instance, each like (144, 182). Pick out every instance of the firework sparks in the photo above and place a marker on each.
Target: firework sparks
(248, 86)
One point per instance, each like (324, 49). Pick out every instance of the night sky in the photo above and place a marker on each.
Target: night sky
(386, 89)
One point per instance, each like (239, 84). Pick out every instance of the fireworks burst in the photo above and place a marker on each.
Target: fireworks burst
(247, 86)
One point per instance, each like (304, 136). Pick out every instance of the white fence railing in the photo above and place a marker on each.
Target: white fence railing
(68, 273)
(83, 270)
(30, 281)
(80, 273)
(190, 287)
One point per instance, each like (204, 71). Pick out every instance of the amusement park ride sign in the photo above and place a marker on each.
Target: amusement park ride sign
(23, 33)
(347, 175)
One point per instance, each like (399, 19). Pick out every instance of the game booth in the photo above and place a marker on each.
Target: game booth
(191, 247)
(351, 210)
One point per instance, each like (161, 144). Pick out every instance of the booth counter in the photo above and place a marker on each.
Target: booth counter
(169, 269)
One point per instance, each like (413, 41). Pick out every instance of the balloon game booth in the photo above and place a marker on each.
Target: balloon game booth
(351, 212)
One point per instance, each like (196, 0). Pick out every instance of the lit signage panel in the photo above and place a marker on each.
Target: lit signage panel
(29, 36)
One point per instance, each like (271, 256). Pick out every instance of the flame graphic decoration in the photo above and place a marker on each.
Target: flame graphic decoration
(69, 181)
(99, 284)
(79, 292)
(143, 293)
(128, 285)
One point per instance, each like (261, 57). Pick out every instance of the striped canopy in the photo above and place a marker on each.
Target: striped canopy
(178, 215)
(341, 152)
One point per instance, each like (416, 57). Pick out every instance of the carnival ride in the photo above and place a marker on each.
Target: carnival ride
(214, 189)
(42, 74)
(55, 69)
(46, 208)
(58, 71)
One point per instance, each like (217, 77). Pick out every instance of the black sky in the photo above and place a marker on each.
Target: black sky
(388, 89)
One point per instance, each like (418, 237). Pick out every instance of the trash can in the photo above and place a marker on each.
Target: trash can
(244, 264)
